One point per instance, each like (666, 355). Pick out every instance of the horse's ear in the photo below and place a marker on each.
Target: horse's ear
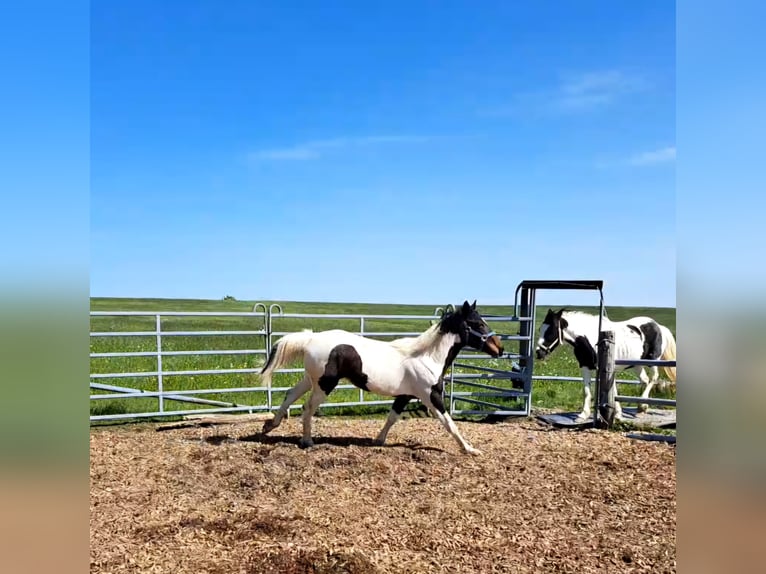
(473, 307)
(466, 308)
(560, 311)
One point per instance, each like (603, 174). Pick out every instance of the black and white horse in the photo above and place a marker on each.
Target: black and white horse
(635, 338)
(406, 369)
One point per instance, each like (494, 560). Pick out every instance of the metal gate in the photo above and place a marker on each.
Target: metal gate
(507, 390)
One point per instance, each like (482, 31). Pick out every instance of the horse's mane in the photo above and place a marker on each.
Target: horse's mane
(416, 345)
(577, 313)
(403, 343)
(584, 320)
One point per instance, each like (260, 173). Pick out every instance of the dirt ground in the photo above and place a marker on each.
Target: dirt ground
(226, 499)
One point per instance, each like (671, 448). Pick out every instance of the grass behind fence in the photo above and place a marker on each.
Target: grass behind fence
(546, 394)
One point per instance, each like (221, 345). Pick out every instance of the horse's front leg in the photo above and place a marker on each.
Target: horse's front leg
(325, 386)
(432, 398)
(585, 413)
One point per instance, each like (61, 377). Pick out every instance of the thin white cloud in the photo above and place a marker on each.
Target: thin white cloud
(659, 156)
(315, 149)
(594, 89)
(575, 93)
(662, 155)
(285, 154)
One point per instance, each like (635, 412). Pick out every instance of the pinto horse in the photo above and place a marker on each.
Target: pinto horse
(406, 369)
(635, 338)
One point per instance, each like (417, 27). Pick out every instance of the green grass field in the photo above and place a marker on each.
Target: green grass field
(546, 394)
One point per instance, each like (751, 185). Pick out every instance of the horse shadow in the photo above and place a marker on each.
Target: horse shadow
(336, 441)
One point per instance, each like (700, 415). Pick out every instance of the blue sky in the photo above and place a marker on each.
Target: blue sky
(414, 152)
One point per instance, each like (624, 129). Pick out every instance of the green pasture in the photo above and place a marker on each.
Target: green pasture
(551, 395)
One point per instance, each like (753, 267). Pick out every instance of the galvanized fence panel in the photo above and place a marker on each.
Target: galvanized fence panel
(482, 385)
(143, 360)
(647, 400)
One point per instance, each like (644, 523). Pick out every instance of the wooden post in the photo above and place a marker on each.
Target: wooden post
(605, 380)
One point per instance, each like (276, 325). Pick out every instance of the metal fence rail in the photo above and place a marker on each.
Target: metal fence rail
(646, 400)
(160, 373)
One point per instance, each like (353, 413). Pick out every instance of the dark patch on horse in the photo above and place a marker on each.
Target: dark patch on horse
(652, 341)
(451, 356)
(400, 403)
(344, 362)
(451, 323)
(556, 323)
(436, 397)
(585, 353)
(637, 330)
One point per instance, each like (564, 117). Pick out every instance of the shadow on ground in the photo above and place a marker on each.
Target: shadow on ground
(338, 441)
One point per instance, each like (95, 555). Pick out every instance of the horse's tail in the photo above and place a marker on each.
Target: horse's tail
(669, 354)
(287, 349)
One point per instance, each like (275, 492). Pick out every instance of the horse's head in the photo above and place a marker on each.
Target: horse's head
(551, 334)
(468, 324)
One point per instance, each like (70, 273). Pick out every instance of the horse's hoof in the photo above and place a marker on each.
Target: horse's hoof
(305, 443)
(642, 408)
(268, 426)
(473, 451)
(379, 442)
(582, 417)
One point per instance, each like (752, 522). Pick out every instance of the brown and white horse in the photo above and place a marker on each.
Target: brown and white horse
(405, 369)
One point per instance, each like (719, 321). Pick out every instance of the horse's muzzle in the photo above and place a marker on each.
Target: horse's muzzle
(541, 354)
(494, 347)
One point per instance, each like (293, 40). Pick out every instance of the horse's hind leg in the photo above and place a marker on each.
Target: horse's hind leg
(433, 400)
(396, 411)
(648, 384)
(293, 395)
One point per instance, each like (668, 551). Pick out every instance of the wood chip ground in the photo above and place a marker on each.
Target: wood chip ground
(225, 499)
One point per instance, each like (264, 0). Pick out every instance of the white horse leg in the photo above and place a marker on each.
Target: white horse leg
(617, 410)
(648, 384)
(585, 414)
(433, 401)
(317, 398)
(393, 416)
(293, 395)
(662, 385)
(397, 408)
